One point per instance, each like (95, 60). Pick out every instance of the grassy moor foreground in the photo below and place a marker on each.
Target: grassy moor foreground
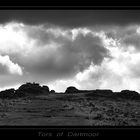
(36, 105)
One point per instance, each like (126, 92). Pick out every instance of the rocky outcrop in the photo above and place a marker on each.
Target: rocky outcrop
(33, 89)
(124, 94)
(127, 94)
(71, 89)
(28, 89)
(9, 93)
(45, 89)
(52, 91)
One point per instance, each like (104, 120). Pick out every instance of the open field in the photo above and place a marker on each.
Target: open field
(69, 109)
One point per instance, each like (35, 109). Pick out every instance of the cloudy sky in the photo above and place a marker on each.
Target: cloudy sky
(89, 49)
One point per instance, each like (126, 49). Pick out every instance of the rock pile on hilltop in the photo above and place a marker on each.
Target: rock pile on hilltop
(124, 94)
(71, 89)
(9, 93)
(52, 91)
(127, 94)
(33, 89)
(27, 89)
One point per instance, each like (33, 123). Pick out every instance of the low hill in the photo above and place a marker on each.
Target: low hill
(34, 89)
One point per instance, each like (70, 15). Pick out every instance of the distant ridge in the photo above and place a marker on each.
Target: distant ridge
(34, 89)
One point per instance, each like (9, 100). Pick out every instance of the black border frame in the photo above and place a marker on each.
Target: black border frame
(104, 131)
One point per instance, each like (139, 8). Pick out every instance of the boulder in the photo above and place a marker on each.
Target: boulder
(127, 94)
(30, 88)
(71, 89)
(45, 88)
(52, 91)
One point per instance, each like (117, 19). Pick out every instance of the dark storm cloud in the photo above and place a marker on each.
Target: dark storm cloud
(91, 47)
(127, 36)
(46, 33)
(72, 18)
(133, 40)
(66, 57)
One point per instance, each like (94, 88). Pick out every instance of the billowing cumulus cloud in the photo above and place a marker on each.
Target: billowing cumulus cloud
(86, 57)
(10, 66)
(44, 53)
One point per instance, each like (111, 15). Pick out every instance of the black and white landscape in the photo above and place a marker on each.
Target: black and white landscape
(70, 67)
